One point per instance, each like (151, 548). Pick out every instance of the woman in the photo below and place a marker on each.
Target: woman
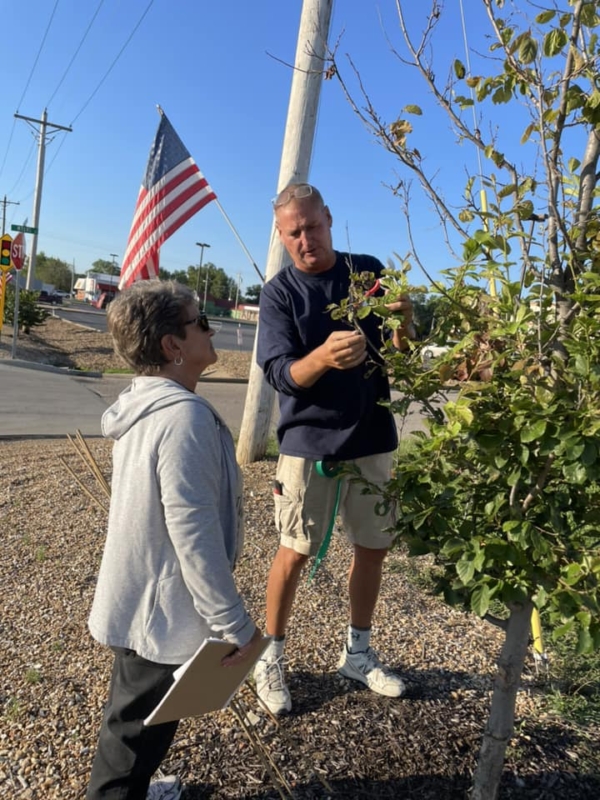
(174, 531)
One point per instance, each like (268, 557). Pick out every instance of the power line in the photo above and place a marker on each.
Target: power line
(75, 54)
(109, 70)
(38, 55)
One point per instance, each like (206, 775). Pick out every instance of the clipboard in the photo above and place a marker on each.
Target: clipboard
(202, 685)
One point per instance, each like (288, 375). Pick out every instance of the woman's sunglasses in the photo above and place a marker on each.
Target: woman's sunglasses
(201, 321)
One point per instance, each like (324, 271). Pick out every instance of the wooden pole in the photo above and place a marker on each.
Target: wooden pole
(296, 153)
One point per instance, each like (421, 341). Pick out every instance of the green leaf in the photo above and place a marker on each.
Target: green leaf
(545, 17)
(459, 69)
(563, 630)
(527, 49)
(480, 600)
(575, 473)
(574, 164)
(530, 433)
(465, 571)
(527, 132)
(572, 574)
(412, 109)
(554, 41)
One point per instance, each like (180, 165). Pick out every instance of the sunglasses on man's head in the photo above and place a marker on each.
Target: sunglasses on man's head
(295, 193)
(201, 321)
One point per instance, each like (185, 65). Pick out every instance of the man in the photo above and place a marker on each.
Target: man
(330, 410)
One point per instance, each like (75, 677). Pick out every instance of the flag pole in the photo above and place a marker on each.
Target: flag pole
(237, 236)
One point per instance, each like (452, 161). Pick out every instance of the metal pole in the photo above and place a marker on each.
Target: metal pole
(114, 257)
(202, 245)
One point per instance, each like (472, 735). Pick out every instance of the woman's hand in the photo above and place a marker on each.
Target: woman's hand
(243, 653)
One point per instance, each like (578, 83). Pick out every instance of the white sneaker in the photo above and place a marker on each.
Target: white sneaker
(167, 787)
(366, 667)
(271, 686)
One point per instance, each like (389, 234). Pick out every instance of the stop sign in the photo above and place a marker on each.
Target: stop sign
(18, 251)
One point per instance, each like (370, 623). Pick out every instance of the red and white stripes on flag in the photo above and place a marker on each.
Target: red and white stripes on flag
(172, 191)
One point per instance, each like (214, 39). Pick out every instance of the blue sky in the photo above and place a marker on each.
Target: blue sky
(208, 65)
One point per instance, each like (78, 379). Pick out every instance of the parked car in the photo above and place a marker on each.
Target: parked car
(53, 298)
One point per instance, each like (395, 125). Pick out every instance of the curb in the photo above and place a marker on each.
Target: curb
(79, 373)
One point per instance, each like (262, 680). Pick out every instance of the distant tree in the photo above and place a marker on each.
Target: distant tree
(106, 267)
(52, 270)
(218, 283)
(252, 293)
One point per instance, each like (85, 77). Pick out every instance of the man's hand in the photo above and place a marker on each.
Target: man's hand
(244, 653)
(405, 331)
(344, 349)
(341, 350)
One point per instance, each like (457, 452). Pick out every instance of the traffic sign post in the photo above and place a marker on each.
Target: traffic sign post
(23, 229)
(5, 265)
(17, 251)
(5, 256)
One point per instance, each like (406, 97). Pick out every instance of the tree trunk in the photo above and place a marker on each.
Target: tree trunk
(500, 725)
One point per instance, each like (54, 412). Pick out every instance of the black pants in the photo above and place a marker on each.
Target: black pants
(128, 754)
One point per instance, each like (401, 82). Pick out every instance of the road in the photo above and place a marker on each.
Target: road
(231, 334)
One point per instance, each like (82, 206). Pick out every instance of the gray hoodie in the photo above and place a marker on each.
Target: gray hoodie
(174, 526)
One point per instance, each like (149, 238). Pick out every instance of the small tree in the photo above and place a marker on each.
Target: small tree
(30, 313)
(504, 489)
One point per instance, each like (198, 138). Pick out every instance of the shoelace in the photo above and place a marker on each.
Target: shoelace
(275, 677)
(373, 662)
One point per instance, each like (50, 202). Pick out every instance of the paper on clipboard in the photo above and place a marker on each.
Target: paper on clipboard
(201, 684)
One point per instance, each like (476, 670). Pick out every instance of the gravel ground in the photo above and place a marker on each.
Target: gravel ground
(340, 741)
(62, 344)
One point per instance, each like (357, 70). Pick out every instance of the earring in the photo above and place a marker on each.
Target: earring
(178, 361)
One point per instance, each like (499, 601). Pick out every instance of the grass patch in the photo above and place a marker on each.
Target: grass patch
(117, 371)
(13, 709)
(33, 676)
(573, 681)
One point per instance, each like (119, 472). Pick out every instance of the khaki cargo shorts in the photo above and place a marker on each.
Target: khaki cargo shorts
(304, 503)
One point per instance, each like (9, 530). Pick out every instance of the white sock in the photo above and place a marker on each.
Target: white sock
(274, 649)
(358, 639)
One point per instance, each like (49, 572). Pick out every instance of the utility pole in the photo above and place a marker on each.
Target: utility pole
(238, 288)
(72, 279)
(202, 245)
(114, 257)
(39, 180)
(5, 203)
(307, 77)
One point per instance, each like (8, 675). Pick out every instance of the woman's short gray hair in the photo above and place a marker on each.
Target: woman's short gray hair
(141, 315)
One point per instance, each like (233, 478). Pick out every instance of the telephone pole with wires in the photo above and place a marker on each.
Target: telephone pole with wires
(5, 203)
(39, 180)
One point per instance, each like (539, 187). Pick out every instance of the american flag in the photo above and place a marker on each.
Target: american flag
(172, 191)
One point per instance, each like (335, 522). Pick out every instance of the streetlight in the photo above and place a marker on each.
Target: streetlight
(114, 257)
(202, 245)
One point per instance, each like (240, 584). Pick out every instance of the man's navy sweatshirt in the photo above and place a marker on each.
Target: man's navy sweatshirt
(340, 416)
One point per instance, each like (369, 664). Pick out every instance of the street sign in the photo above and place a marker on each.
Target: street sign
(23, 229)
(5, 248)
(18, 251)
